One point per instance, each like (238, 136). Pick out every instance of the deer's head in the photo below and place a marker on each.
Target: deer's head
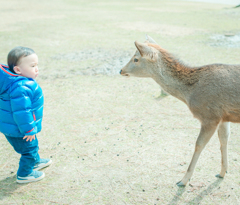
(143, 61)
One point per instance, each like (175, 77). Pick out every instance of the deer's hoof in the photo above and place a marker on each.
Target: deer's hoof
(219, 176)
(180, 184)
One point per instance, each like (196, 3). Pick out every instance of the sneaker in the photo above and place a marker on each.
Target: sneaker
(43, 163)
(33, 177)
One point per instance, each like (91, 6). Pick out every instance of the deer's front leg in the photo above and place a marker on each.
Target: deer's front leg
(207, 131)
(223, 135)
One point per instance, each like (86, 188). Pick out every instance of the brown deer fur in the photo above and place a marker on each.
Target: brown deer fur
(212, 93)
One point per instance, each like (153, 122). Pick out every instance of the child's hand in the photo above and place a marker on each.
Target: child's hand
(29, 137)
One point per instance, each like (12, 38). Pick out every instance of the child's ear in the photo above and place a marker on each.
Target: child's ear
(17, 70)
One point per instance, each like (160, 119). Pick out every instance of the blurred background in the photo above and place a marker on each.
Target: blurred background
(96, 37)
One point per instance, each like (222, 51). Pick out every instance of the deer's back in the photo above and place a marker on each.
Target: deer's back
(216, 93)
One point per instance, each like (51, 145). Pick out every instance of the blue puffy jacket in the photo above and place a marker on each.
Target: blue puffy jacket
(21, 104)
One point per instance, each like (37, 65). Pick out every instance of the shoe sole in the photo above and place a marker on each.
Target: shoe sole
(30, 180)
(45, 165)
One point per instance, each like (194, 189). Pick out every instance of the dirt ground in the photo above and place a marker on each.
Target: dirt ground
(115, 140)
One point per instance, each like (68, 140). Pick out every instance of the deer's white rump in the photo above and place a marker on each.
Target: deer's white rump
(212, 93)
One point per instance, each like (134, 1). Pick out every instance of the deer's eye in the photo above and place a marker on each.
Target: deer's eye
(135, 60)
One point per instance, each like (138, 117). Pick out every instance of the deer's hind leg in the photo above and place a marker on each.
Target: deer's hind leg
(207, 131)
(223, 135)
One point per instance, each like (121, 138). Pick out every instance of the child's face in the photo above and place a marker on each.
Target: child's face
(28, 66)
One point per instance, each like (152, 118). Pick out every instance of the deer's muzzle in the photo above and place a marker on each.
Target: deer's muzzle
(123, 73)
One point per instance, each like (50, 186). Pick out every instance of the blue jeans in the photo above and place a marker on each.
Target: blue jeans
(29, 152)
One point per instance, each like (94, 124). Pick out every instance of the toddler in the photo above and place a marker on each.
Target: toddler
(21, 111)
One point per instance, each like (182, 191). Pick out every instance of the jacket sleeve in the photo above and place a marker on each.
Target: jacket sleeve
(21, 104)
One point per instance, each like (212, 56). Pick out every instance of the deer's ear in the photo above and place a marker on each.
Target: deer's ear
(150, 40)
(145, 50)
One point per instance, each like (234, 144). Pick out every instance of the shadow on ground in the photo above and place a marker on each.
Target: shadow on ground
(199, 197)
(206, 192)
(178, 195)
(9, 186)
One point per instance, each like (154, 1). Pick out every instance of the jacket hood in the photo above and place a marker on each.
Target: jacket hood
(6, 78)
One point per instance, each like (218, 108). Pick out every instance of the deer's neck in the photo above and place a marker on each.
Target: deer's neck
(174, 77)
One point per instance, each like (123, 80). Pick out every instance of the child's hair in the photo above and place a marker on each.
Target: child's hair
(16, 54)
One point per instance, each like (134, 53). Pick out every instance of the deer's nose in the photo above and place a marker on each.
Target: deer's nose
(120, 71)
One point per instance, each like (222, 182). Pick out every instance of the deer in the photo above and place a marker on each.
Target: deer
(211, 92)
